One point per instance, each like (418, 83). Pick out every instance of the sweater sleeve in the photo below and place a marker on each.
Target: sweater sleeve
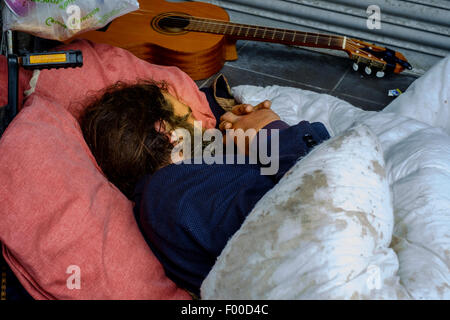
(279, 146)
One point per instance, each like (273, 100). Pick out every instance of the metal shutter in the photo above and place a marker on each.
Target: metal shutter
(418, 28)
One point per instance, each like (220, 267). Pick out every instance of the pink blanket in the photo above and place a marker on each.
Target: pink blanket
(58, 212)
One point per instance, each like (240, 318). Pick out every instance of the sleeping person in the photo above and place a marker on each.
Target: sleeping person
(186, 212)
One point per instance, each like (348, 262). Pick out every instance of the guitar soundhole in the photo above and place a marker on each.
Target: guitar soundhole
(171, 23)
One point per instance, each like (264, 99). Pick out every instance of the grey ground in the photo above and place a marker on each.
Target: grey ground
(264, 64)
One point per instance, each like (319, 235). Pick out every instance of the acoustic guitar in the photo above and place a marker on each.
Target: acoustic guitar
(198, 38)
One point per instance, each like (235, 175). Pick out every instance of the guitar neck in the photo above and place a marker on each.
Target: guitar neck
(267, 34)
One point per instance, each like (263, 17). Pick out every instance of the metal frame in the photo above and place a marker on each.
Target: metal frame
(8, 112)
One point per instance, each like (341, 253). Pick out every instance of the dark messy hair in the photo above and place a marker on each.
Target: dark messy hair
(119, 128)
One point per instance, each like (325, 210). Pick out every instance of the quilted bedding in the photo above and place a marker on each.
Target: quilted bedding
(366, 215)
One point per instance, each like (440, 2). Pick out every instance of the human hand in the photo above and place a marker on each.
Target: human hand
(243, 109)
(245, 127)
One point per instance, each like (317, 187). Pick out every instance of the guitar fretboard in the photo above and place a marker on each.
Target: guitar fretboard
(259, 33)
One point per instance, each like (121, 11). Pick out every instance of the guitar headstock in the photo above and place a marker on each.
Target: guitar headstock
(375, 59)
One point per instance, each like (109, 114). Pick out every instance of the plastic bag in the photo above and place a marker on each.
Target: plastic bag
(62, 19)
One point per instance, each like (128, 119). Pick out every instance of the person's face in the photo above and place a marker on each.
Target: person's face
(183, 111)
(179, 108)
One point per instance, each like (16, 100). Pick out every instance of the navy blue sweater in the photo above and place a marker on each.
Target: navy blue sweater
(188, 212)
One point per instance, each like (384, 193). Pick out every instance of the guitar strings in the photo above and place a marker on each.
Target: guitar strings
(286, 32)
(355, 47)
(217, 22)
(350, 44)
(250, 27)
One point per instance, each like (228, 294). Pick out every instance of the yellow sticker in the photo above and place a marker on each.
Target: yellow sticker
(48, 58)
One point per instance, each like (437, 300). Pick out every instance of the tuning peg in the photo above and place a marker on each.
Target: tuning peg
(355, 66)
(368, 70)
(380, 74)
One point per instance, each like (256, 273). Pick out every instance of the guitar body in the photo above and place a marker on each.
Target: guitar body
(198, 54)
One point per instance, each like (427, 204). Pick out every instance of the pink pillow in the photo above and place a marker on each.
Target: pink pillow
(56, 207)
(103, 65)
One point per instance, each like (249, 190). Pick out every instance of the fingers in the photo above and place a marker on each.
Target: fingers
(229, 117)
(225, 125)
(266, 104)
(242, 109)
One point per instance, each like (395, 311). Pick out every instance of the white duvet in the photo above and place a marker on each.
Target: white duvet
(366, 215)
